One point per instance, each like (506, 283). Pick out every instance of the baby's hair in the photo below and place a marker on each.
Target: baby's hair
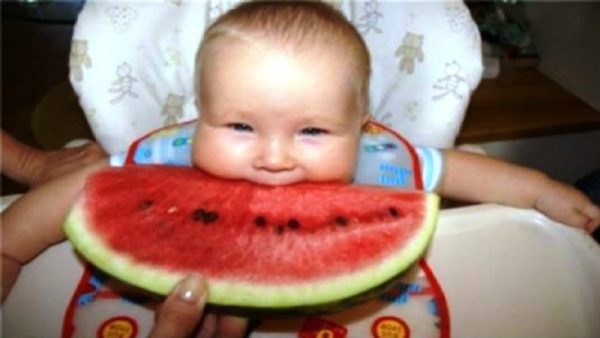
(296, 26)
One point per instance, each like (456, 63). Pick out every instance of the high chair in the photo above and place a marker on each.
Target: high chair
(505, 272)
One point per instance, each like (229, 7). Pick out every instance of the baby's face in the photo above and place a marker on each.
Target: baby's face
(273, 118)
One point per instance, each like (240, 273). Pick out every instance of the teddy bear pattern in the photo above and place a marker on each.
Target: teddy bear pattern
(78, 59)
(410, 51)
(172, 109)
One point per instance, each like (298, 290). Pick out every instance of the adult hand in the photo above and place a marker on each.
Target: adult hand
(32, 166)
(58, 162)
(182, 314)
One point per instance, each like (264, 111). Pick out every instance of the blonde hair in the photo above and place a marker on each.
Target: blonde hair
(296, 25)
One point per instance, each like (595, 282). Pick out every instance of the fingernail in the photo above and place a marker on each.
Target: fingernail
(192, 290)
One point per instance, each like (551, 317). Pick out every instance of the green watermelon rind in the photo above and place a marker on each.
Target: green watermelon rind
(224, 293)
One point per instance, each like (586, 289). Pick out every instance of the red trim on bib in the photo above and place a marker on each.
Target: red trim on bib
(68, 327)
(441, 301)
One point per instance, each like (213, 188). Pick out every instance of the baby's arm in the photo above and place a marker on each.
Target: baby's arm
(478, 178)
(34, 222)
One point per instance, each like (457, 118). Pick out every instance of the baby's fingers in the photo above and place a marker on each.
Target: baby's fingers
(573, 218)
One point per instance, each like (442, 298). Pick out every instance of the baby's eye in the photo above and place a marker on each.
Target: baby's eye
(238, 126)
(313, 131)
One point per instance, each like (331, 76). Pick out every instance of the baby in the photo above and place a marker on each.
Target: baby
(283, 93)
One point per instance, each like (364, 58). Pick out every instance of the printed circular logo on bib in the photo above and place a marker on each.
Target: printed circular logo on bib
(118, 327)
(390, 327)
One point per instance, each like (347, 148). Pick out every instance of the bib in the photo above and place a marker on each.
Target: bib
(414, 307)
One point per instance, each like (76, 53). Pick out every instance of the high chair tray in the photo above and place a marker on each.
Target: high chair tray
(505, 272)
(510, 272)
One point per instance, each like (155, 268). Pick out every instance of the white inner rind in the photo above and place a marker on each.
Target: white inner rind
(239, 293)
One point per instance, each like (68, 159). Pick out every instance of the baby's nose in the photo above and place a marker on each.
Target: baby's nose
(274, 156)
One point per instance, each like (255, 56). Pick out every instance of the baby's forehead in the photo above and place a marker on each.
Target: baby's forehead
(312, 49)
(332, 60)
(225, 51)
(335, 60)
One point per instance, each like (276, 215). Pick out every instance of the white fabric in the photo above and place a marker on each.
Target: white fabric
(132, 64)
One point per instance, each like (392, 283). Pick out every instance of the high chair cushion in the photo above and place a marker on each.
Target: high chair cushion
(132, 64)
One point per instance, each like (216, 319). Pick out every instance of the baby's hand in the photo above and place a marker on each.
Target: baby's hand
(567, 205)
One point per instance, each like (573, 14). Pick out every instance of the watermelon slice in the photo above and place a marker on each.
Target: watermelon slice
(260, 247)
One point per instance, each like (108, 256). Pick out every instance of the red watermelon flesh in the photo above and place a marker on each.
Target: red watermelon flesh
(258, 246)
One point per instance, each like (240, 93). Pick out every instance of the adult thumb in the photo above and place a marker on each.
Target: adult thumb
(182, 310)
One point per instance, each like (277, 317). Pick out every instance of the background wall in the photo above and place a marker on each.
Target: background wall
(566, 157)
(567, 37)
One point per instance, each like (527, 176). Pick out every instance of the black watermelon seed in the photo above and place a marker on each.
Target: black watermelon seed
(198, 215)
(293, 224)
(145, 204)
(279, 229)
(210, 217)
(343, 221)
(260, 221)
(393, 212)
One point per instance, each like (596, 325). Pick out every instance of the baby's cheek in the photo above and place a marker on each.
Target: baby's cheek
(211, 163)
(197, 154)
(199, 160)
(348, 171)
(204, 154)
(337, 165)
(220, 156)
